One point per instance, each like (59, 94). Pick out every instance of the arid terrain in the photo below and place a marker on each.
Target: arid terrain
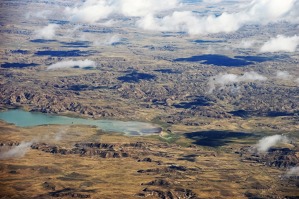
(87, 163)
(217, 101)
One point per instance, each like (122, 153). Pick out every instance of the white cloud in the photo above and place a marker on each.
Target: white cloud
(247, 43)
(284, 75)
(293, 171)
(252, 76)
(212, 1)
(48, 32)
(92, 11)
(187, 21)
(293, 15)
(281, 44)
(145, 7)
(256, 12)
(109, 23)
(71, 63)
(266, 143)
(266, 11)
(16, 151)
(114, 39)
(43, 14)
(227, 79)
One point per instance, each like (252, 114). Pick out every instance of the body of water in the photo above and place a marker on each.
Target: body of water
(217, 60)
(23, 118)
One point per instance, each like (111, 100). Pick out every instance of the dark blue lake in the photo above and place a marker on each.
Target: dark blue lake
(217, 60)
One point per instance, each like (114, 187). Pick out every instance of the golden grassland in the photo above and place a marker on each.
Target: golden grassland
(212, 173)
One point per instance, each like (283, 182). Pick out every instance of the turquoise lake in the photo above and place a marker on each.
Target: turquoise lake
(23, 118)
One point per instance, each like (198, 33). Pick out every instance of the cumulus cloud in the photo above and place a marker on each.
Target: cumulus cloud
(212, 1)
(266, 11)
(48, 32)
(112, 40)
(256, 12)
(266, 143)
(92, 11)
(187, 21)
(247, 43)
(72, 63)
(281, 44)
(44, 14)
(228, 79)
(145, 7)
(293, 171)
(16, 151)
(109, 23)
(284, 75)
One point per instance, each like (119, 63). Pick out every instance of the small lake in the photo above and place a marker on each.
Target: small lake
(23, 118)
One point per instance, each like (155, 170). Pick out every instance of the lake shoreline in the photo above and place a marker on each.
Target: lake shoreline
(24, 118)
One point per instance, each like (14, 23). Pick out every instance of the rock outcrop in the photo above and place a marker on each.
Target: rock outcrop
(275, 157)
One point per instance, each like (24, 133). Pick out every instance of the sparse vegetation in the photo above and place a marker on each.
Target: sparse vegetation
(209, 130)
